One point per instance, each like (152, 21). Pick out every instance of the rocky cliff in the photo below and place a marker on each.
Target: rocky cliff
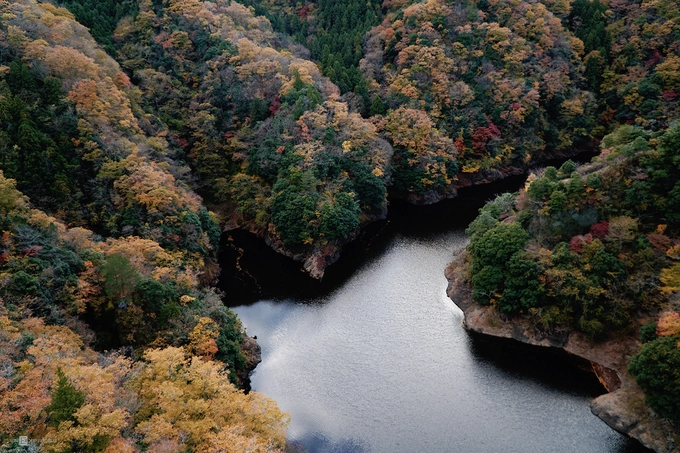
(623, 408)
(316, 259)
(253, 353)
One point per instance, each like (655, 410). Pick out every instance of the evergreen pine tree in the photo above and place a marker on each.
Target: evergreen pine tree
(66, 400)
(377, 107)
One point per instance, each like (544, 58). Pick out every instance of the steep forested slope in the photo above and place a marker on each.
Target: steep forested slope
(486, 85)
(295, 125)
(140, 284)
(332, 31)
(263, 129)
(101, 17)
(74, 144)
(471, 89)
(458, 91)
(63, 291)
(65, 397)
(500, 82)
(594, 249)
(584, 248)
(641, 83)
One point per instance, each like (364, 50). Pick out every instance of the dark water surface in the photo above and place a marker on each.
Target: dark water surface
(375, 358)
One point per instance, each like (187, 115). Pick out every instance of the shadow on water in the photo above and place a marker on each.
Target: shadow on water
(252, 271)
(545, 366)
(548, 367)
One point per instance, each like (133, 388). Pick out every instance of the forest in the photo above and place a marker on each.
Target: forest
(133, 131)
(593, 248)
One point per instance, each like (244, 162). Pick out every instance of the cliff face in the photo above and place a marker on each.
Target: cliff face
(623, 408)
(316, 259)
(253, 354)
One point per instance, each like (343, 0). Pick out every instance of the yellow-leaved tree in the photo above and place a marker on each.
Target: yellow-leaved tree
(188, 404)
(669, 324)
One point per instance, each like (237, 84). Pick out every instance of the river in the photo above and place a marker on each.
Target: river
(376, 359)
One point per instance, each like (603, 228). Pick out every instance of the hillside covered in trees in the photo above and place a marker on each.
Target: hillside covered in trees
(107, 257)
(133, 131)
(594, 248)
(297, 128)
(434, 97)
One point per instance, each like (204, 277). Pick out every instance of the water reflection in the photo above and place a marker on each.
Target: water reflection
(382, 364)
(375, 358)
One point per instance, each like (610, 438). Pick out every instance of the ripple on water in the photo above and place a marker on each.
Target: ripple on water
(383, 365)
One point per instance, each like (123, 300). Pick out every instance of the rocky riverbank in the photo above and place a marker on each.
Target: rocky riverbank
(623, 408)
(253, 353)
(316, 258)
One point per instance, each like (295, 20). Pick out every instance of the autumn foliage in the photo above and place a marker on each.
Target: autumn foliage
(65, 396)
(500, 80)
(112, 148)
(593, 248)
(78, 309)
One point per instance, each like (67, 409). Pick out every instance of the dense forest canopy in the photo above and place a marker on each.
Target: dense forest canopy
(332, 31)
(126, 125)
(594, 248)
(105, 246)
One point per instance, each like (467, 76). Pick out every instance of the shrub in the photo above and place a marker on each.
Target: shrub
(657, 370)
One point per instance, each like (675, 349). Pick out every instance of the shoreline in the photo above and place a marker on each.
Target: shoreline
(623, 408)
(316, 259)
(253, 352)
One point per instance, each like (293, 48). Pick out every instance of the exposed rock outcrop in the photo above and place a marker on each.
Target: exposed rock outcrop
(253, 353)
(316, 259)
(623, 409)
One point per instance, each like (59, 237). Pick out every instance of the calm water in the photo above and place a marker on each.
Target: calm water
(381, 362)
